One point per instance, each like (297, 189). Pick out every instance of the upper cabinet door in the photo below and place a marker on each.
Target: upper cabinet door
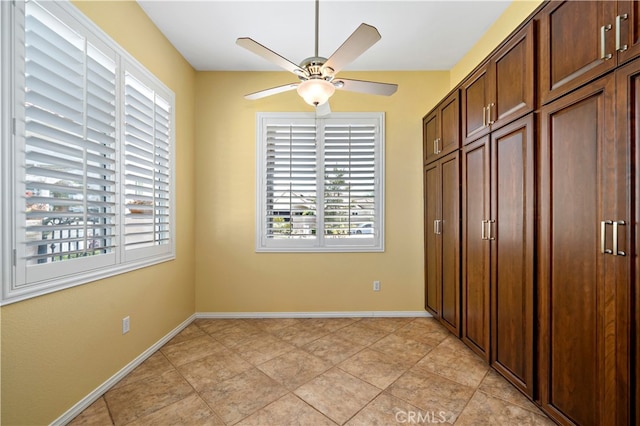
(513, 75)
(475, 103)
(502, 90)
(441, 133)
(429, 136)
(577, 44)
(627, 27)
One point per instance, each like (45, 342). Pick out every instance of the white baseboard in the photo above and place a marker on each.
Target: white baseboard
(85, 402)
(329, 314)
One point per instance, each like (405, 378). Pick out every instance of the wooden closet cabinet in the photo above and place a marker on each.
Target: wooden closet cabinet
(501, 90)
(441, 129)
(582, 40)
(498, 250)
(442, 240)
(585, 252)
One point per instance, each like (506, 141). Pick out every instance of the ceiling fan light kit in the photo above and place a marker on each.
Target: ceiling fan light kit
(317, 74)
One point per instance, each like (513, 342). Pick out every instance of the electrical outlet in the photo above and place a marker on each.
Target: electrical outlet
(376, 286)
(125, 325)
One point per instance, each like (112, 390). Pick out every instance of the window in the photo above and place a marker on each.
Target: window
(320, 182)
(91, 157)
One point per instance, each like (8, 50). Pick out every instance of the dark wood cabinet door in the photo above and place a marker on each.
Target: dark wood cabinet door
(429, 135)
(627, 30)
(449, 138)
(513, 73)
(474, 95)
(512, 252)
(475, 246)
(450, 236)
(627, 208)
(432, 250)
(577, 363)
(571, 49)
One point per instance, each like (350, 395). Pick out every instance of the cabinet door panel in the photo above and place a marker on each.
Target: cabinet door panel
(475, 255)
(474, 101)
(513, 67)
(571, 50)
(430, 133)
(432, 242)
(576, 364)
(629, 30)
(449, 125)
(450, 199)
(512, 192)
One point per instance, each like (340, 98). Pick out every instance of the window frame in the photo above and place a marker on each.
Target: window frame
(58, 275)
(319, 243)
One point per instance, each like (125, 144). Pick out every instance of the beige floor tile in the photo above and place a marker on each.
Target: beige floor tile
(456, 345)
(361, 334)
(402, 348)
(212, 326)
(141, 398)
(188, 333)
(337, 394)
(467, 369)
(485, 409)
(426, 331)
(192, 350)
(242, 395)
(300, 334)
(333, 348)
(273, 324)
(238, 334)
(386, 324)
(153, 366)
(262, 348)
(97, 414)
(388, 410)
(495, 385)
(332, 324)
(190, 411)
(294, 368)
(374, 367)
(288, 410)
(432, 393)
(205, 372)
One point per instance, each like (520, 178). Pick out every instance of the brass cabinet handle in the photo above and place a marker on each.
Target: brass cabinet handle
(603, 38)
(603, 236)
(484, 116)
(489, 225)
(435, 149)
(614, 249)
(436, 227)
(619, 19)
(483, 232)
(489, 120)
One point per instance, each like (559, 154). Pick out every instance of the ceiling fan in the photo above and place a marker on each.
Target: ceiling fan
(317, 74)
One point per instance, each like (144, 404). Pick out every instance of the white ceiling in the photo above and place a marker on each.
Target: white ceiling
(416, 34)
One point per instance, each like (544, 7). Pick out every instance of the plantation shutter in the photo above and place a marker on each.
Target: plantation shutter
(147, 122)
(70, 138)
(291, 181)
(350, 180)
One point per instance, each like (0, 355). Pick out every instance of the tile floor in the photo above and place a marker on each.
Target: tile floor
(368, 371)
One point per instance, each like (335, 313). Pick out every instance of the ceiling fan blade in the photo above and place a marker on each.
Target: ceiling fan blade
(271, 91)
(362, 39)
(270, 55)
(371, 87)
(323, 110)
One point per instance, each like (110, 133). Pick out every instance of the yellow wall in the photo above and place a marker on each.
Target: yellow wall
(231, 276)
(58, 348)
(516, 13)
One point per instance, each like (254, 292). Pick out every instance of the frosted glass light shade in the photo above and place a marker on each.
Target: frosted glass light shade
(316, 91)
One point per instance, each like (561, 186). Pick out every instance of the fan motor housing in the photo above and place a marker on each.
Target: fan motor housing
(316, 69)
